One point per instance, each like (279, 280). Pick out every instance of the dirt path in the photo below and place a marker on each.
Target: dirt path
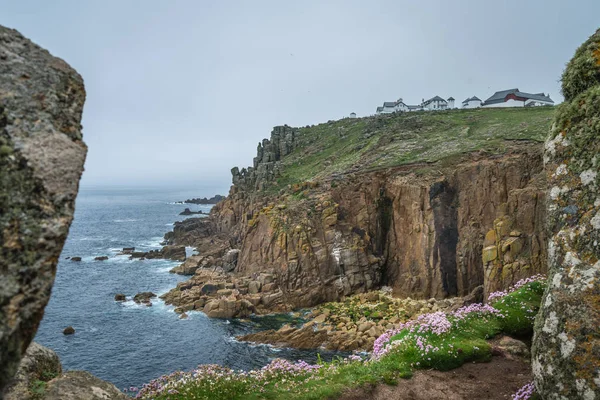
(498, 379)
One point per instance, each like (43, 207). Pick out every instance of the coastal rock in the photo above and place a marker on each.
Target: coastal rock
(76, 259)
(230, 260)
(41, 160)
(190, 266)
(69, 330)
(81, 385)
(120, 297)
(143, 297)
(169, 252)
(229, 308)
(101, 258)
(187, 211)
(213, 200)
(38, 364)
(566, 345)
(303, 338)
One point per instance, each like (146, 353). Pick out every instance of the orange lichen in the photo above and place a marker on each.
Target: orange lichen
(596, 54)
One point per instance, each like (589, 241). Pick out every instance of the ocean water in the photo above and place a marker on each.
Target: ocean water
(125, 343)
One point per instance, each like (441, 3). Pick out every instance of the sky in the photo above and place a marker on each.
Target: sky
(181, 91)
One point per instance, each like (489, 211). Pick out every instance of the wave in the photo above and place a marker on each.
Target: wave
(125, 220)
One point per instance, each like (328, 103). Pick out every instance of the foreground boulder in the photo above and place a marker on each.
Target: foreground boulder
(81, 385)
(39, 378)
(41, 160)
(566, 347)
(39, 364)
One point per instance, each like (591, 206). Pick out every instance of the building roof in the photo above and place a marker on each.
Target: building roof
(436, 98)
(379, 108)
(389, 104)
(450, 98)
(499, 97)
(471, 99)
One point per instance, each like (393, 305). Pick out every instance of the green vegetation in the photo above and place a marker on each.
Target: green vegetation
(399, 139)
(436, 340)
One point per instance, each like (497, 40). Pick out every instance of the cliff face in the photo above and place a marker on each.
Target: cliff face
(432, 205)
(425, 236)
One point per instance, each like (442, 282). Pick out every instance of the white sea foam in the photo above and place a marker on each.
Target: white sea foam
(125, 220)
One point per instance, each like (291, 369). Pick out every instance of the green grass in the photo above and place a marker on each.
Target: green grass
(413, 346)
(399, 139)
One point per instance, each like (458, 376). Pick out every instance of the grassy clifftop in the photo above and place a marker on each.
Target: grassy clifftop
(394, 140)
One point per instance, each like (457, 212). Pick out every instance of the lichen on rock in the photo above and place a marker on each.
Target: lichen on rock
(41, 161)
(566, 347)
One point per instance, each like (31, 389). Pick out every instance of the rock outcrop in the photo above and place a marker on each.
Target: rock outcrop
(40, 377)
(81, 385)
(566, 347)
(41, 160)
(176, 253)
(39, 364)
(266, 165)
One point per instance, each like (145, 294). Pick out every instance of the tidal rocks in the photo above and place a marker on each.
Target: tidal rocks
(187, 211)
(143, 297)
(69, 330)
(76, 259)
(566, 345)
(101, 258)
(176, 253)
(39, 364)
(221, 295)
(127, 250)
(120, 297)
(213, 200)
(41, 160)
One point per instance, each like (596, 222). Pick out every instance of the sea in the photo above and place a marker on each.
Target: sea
(123, 342)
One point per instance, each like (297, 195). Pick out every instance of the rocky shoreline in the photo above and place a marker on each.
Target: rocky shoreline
(355, 323)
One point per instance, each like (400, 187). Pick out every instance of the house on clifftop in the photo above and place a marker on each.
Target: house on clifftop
(433, 104)
(516, 98)
(472, 102)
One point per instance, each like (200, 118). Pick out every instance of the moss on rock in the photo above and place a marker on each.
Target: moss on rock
(566, 347)
(583, 71)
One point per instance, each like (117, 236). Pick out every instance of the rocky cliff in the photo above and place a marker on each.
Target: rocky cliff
(431, 204)
(41, 160)
(566, 348)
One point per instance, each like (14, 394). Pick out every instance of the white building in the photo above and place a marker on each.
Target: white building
(435, 103)
(472, 102)
(352, 115)
(516, 98)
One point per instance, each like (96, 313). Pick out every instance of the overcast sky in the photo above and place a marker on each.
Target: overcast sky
(178, 92)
